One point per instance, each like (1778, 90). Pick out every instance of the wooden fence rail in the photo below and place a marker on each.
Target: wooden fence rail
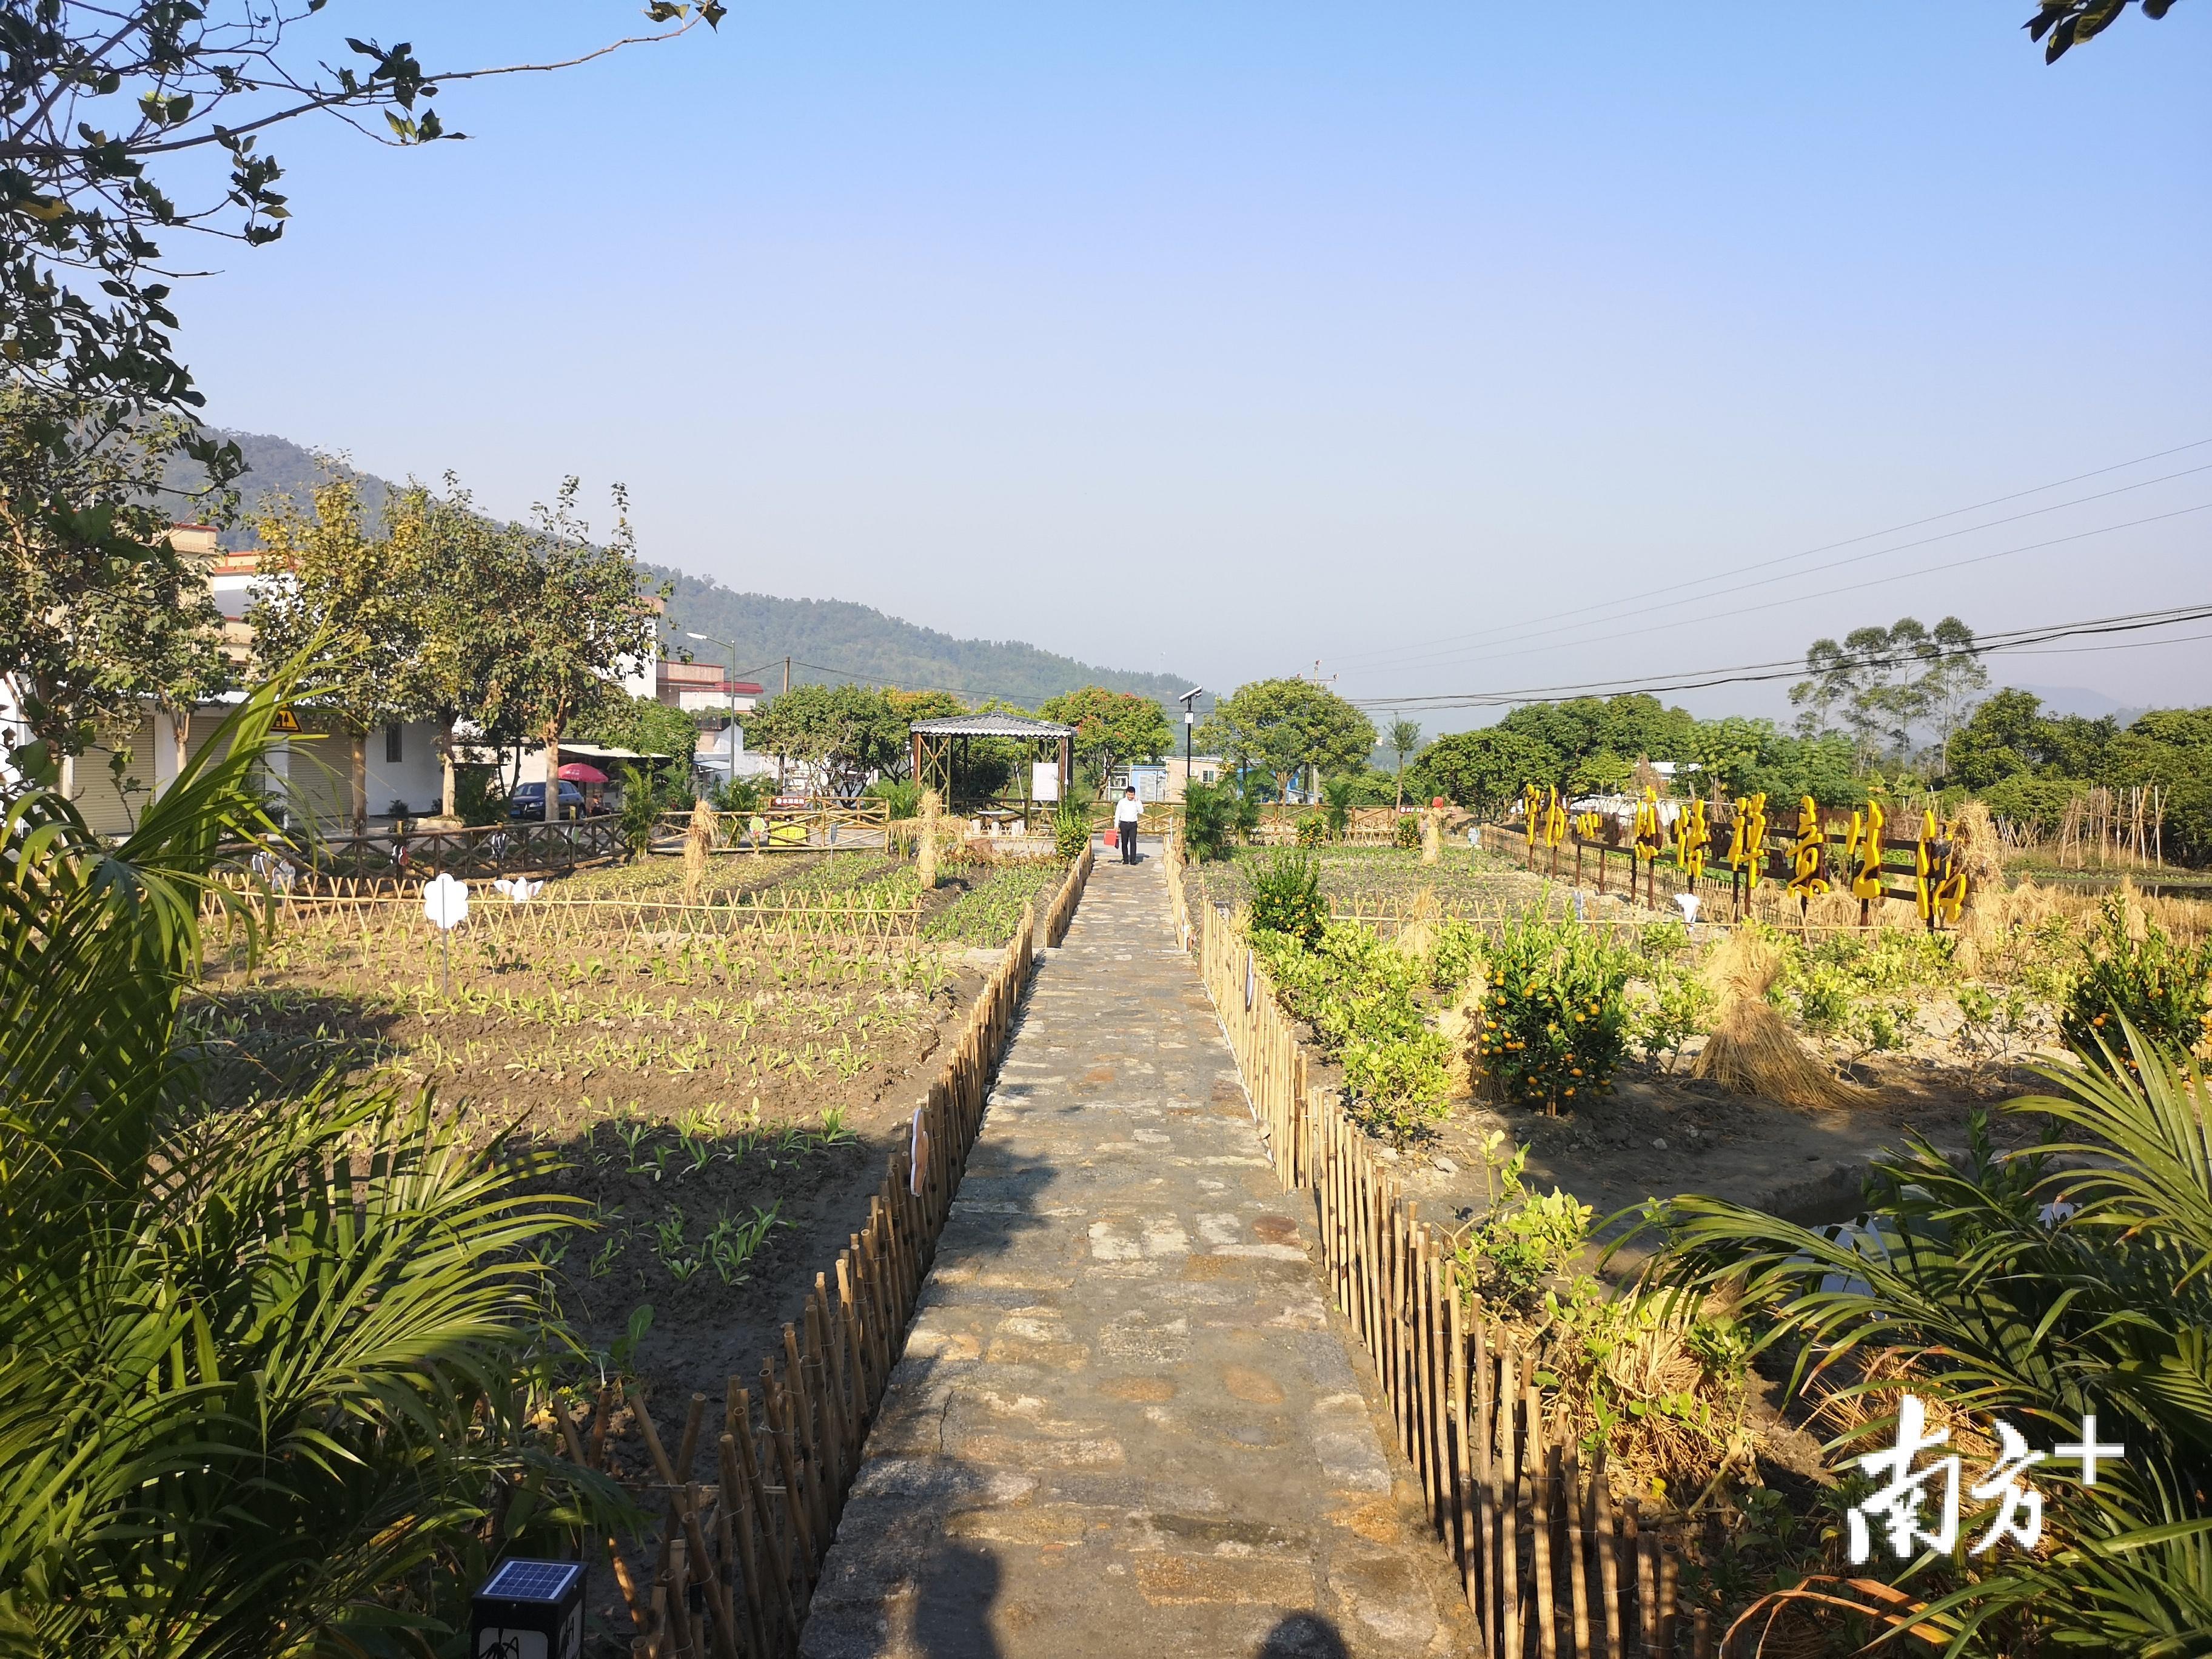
(739, 1555)
(519, 847)
(1579, 860)
(1551, 1562)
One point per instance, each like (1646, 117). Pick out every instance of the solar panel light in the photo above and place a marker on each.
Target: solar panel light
(529, 1610)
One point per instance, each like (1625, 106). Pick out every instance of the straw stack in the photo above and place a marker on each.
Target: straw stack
(1752, 1050)
(925, 851)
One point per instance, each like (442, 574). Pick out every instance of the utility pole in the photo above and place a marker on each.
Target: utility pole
(787, 673)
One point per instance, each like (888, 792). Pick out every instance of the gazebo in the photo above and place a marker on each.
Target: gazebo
(936, 743)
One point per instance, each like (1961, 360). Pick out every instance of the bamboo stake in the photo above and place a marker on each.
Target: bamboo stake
(1646, 1551)
(1509, 1511)
(1543, 1461)
(770, 1537)
(1609, 1548)
(675, 1588)
(1578, 1566)
(1462, 1529)
(1485, 1479)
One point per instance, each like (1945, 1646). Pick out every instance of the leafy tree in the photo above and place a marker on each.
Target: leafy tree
(2006, 737)
(1112, 728)
(1284, 726)
(565, 620)
(1482, 770)
(1404, 738)
(2067, 23)
(462, 559)
(98, 609)
(110, 119)
(645, 724)
(355, 607)
(1882, 682)
(842, 734)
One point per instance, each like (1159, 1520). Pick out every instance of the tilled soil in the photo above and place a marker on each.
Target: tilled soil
(663, 1122)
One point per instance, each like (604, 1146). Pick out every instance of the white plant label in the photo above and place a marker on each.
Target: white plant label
(445, 902)
(917, 1164)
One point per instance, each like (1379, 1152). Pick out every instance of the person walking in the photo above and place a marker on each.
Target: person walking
(1126, 811)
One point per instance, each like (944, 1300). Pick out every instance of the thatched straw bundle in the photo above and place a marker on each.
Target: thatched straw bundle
(1460, 1025)
(1752, 1050)
(925, 856)
(1432, 835)
(698, 842)
(1417, 931)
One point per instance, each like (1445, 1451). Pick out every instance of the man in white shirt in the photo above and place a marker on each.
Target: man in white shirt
(1126, 811)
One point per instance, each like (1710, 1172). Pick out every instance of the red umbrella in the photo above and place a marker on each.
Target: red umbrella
(577, 772)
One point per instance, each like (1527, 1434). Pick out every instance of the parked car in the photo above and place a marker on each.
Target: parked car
(528, 801)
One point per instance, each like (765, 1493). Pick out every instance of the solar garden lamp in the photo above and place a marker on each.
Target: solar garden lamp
(529, 1610)
(445, 903)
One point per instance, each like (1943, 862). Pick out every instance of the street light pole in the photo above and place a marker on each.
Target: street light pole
(1190, 718)
(730, 691)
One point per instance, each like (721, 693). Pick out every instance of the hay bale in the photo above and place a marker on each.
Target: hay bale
(1752, 1050)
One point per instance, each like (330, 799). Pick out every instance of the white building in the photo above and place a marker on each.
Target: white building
(112, 781)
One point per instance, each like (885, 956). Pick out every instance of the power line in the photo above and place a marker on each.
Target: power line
(1851, 541)
(1642, 628)
(1522, 632)
(1746, 673)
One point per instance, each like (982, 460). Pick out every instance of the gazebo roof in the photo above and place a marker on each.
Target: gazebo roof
(992, 726)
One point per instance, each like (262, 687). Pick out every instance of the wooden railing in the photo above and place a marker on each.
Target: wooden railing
(740, 1556)
(522, 846)
(1720, 884)
(1550, 1562)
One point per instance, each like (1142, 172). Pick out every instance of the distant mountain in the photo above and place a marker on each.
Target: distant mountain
(827, 639)
(2062, 700)
(836, 639)
(278, 466)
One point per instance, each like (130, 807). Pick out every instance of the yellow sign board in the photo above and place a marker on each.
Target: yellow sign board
(286, 720)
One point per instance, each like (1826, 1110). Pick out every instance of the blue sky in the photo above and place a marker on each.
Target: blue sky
(1221, 339)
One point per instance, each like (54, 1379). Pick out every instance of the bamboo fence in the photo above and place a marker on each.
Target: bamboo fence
(1551, 1562)
(740, 1556)
(2124, 827)
(384, 902)
(827, 823)
(1070, 892)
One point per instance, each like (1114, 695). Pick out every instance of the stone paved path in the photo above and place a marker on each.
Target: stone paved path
(1125, 1423)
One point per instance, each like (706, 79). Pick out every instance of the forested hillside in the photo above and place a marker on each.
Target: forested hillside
(827, 639)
